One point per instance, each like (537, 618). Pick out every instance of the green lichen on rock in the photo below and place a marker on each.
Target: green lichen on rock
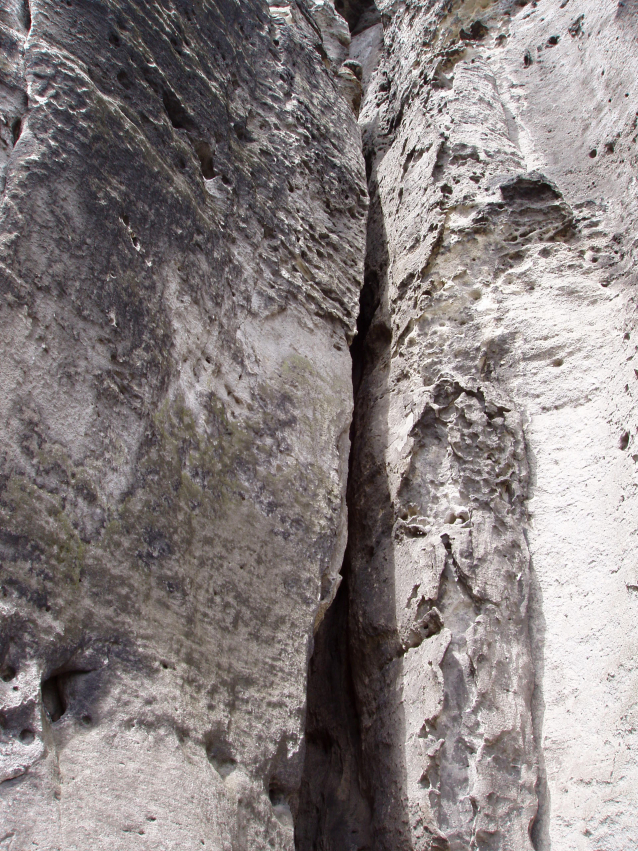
(37, 519)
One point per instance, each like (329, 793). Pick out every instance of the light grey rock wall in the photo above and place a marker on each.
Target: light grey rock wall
(492, 535)
(182, 238)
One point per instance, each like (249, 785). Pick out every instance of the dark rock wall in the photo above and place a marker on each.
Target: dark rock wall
(182, 229)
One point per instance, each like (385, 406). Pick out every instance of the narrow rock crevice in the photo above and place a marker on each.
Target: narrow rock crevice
(539, 831)
(26, 16)
(335, 802)
(334, 810)
(354, 11)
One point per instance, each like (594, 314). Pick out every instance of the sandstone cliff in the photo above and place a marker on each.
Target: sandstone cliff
(490, 588)
(238, 611)
(183, 230)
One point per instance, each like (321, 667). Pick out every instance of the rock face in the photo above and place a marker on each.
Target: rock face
(183, 231)
(491, 579)
(183, 268)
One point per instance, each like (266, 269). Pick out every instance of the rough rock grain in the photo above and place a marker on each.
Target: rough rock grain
(182, 244)
(492, 551)
(182, 237)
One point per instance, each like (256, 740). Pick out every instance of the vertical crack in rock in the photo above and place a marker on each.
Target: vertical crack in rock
(420, 731)
(334, 809)
(334, 812)
(537, 628)
(26, 15)
(335, 805)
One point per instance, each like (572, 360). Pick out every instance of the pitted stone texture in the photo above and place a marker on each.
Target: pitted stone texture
(492, 551)
(181, 251)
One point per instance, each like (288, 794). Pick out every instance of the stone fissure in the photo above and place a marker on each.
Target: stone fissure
(334, 804)
(428, 585)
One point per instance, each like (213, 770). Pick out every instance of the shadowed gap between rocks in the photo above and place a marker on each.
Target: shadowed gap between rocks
(355, 12)
(353, 794)
(334, 813)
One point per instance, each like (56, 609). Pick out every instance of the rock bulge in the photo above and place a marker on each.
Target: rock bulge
(183, 226)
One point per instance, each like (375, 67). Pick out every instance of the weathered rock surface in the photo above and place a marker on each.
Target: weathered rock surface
(491, 567)
(182, 248)
(182, 239)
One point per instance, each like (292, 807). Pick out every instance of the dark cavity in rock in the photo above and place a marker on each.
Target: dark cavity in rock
(333, 809)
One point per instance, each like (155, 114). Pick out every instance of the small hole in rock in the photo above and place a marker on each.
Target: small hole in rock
(593, 153)
(125, 219)
(8, 673)
(124, 80)
(86, 720)
(16, 130)
(241, 132)
(558, 362)
(476, 32)
(205, 156)
(623, 443)
(114, 39)
(27, 737)
(53, 697)
(276, 793)
(177, 114)
(220, 757)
